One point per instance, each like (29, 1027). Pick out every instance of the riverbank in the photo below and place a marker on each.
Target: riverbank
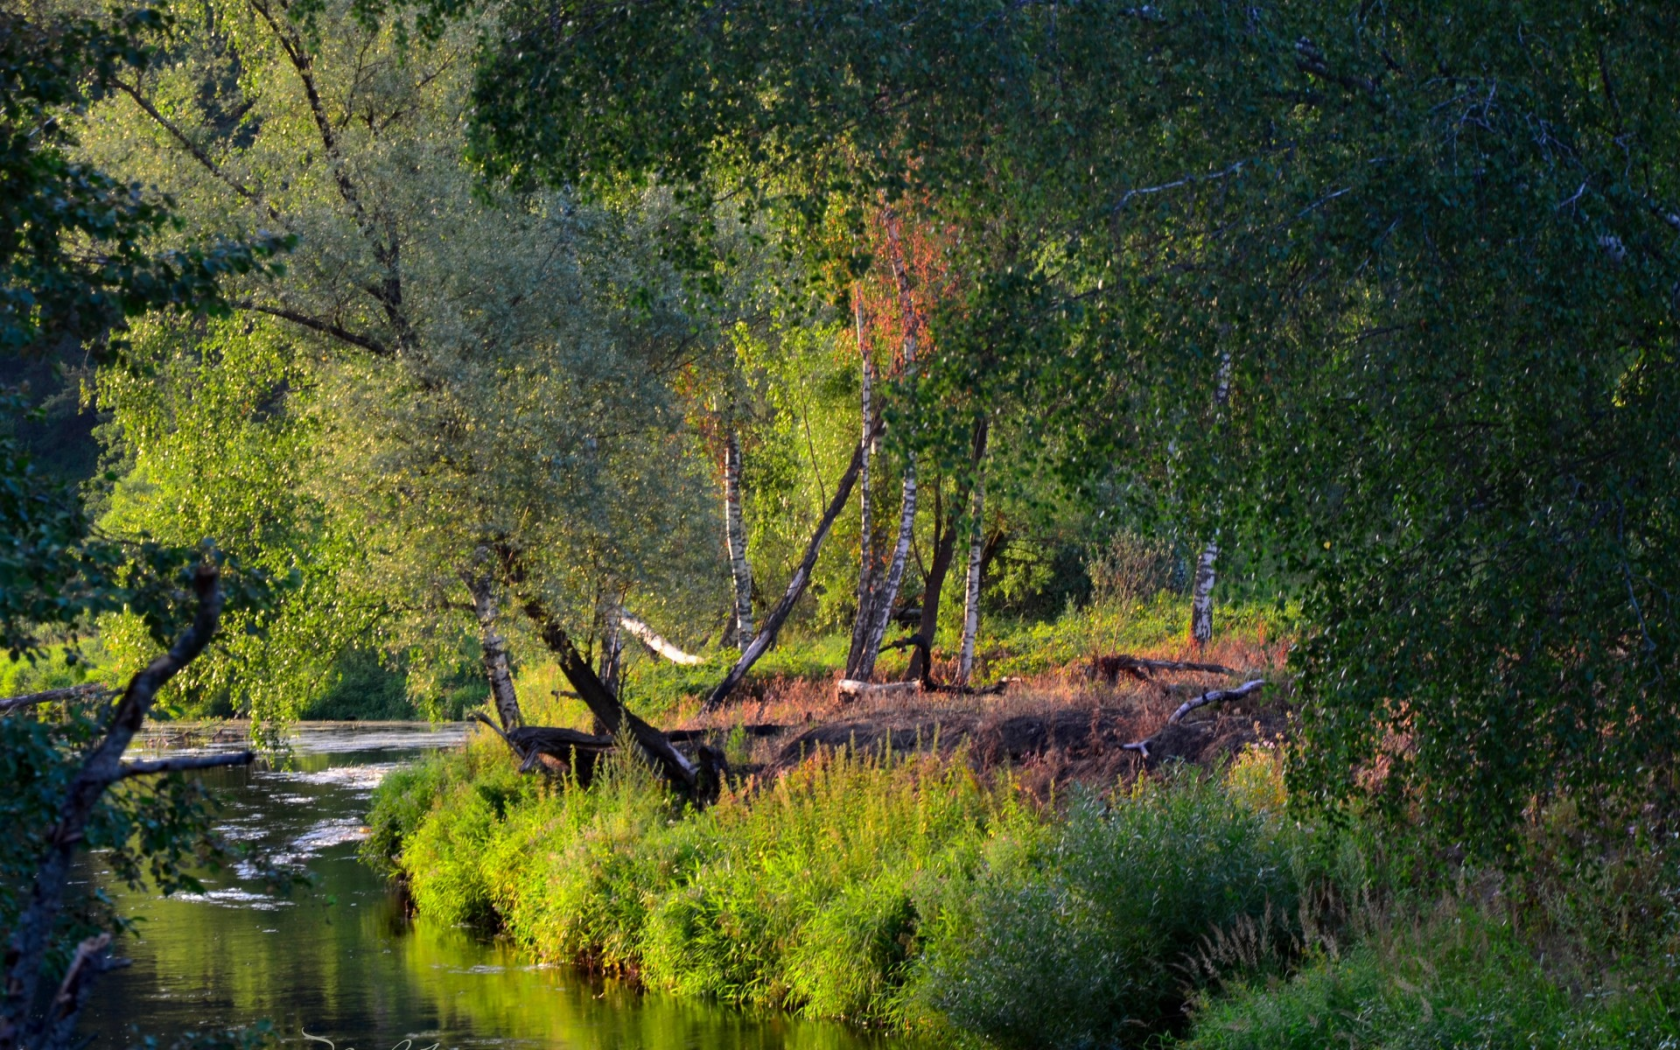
(936, 889)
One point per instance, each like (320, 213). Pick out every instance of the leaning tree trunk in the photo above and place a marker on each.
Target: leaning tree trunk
(493, 651)
(1201, 596)
(735, 536)
(884, 596)
(796, 586)
(976, 560)
(610, 714)
(874, 617)
(944, 552)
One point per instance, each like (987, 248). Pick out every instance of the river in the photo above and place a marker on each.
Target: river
(341, 961)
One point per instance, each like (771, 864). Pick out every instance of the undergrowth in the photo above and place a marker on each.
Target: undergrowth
(1191, 909)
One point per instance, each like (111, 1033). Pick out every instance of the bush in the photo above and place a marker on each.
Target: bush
(1085, 944)
(1455, 980)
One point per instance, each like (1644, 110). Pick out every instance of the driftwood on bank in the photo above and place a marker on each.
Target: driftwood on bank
(1212, 696)
(87, 691)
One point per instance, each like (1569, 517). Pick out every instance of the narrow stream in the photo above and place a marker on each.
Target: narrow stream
(339, 960)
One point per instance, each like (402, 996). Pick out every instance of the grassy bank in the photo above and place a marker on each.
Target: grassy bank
(909, 893)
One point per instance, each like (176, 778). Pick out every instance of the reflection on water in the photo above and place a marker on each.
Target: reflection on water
(340, 960)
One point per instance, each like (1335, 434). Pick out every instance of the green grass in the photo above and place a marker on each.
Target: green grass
(1191, 911)
(902, 891)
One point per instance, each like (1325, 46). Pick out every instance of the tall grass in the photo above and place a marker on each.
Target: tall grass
(882, 889)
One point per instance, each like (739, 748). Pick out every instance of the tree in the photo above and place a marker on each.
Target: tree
(475, 372)
(78, 263)
(1407, 224)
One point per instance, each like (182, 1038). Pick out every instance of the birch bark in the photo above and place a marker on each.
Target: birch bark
(735, 536)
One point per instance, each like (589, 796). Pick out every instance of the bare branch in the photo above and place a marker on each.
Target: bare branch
(188, 763)
(32, 933)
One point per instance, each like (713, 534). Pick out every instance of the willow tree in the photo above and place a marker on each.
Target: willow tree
(1437, 241)
(481, 376)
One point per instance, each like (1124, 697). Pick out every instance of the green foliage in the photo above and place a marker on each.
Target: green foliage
(1457, 980)
(54, 293)
(1084, 943)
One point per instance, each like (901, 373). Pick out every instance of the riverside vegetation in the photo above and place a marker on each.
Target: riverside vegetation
(912, 892)
(774, 380)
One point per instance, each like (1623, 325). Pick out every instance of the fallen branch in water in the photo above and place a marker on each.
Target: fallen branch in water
(183, 765)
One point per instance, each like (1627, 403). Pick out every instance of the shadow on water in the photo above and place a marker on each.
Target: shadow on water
(340, 960)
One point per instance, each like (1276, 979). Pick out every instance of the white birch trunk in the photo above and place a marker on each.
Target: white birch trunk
(1201, 591)
(735, 536)
(976, 550)
(651, 638)
(887, 593)
(866, 552)
(1201, 596)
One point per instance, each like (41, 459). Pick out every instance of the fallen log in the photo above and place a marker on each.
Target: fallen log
(1212, 696)
(1215, 696)
(1109, 668)
(656, 642)
(852, 689)
(569, 748)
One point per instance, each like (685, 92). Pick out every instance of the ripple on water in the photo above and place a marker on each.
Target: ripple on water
(235, 898)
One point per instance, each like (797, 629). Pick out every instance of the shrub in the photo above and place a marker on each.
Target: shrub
(1084, 944)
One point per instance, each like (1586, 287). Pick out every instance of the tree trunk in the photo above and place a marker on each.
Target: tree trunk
(493, 651)
(655, 641)
(735, 535)
(796, 586)
(976, 560)
(1201, 592)
(1201, 597)
(611, 715)
(21, 1025)
(874, 616)
(868, 571)
(944, 552)
(886, 594)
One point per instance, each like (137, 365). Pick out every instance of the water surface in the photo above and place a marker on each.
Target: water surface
(340, 960)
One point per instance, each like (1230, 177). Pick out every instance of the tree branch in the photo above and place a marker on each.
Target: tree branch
(88, 691)
(32, 934)
(198, 153)
(344, 335)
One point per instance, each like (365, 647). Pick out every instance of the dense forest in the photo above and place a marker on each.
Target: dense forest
(1023, 524)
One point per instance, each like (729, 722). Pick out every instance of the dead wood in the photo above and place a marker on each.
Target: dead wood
(1111, 667)
(852, 689)
(87, 691)
(1212, 696)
